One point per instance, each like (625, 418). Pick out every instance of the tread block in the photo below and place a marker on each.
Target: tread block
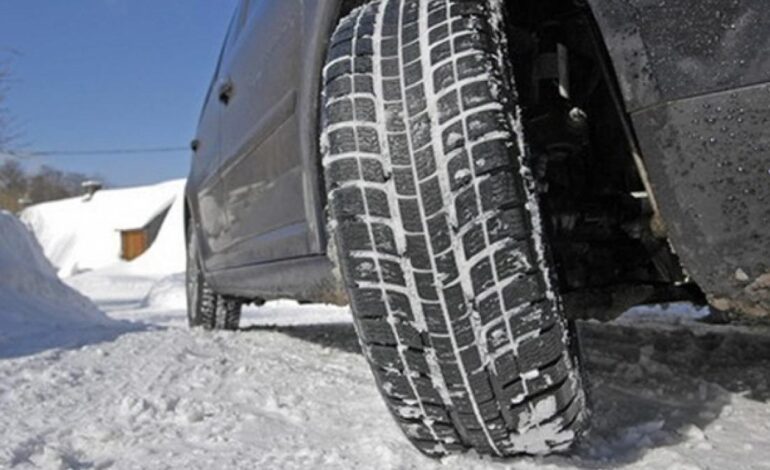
(446, 268)
(497, 338)
(526, 288)
(453, 137)
(434, 318)
(409, 335)
(438, 229)
(508, 223)
(440, 52)
(343, 170)
(443, 348)
(391, 90)
(473, 65)
(363, 84)
(440, 32)
(385, 357)
(482, 277)
(340, 111)
(368, 303)
(353, 236)
(417, 252)
(412, 73)
(362, 269)
(544, 349)
(432, 200)
(482, 123)
(363, 64)
(474, 241)
(384, 240)
(466, 206)
(476, 94)
(456, 304)
(425, 162)
(371, 170)
(399, 149)
(415, 100)
(339, 68)
(339, 87)
(426, 286)
(507, 368)
(368, 139)
(463, 331)
(420, 129)
(513, 259)
(404, 181)
(499, 189)
(553, 374)
(339, 49)
(459, 171)
(410, 214)
(489, 308)
(394, 118)
(377, 202)
(411, 52)
(392, 273)
(377, 331)
(448, 107)
(443, 77)
(493, 155)
(348, 202)
(365, 110)
(399, 305)
(395, 385)
(538, 316)
(342, 141)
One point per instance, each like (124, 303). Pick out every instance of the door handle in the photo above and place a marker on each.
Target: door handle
(226, 91)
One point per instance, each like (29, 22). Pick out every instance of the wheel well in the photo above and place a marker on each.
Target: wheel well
(599, 215)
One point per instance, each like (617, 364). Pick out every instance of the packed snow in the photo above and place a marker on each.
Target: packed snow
(291, 389)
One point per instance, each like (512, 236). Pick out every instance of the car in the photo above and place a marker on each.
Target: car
(473, 177)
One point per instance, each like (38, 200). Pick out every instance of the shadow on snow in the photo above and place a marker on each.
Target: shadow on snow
(648, 386)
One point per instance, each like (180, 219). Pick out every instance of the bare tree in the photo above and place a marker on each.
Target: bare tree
(18, 186)
(7, 134)
(13, 185)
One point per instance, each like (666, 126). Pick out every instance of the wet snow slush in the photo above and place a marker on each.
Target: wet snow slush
(291, 390)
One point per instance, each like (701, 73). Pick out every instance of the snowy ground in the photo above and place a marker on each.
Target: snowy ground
(135, 389)
(291, 390)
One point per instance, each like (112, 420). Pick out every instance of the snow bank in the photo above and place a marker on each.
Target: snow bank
(33, 301)
(167, 293)
(80, 235)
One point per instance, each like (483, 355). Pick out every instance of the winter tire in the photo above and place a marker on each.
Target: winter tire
(438, 231)
(206, 308)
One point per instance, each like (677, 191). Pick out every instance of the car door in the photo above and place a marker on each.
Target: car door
(208, 194)
(262, 168)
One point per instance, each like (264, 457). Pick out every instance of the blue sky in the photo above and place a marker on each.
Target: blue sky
(96, 74)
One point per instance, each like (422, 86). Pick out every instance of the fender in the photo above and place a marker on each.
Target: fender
(695, 82)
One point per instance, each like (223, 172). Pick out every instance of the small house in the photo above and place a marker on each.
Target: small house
(134, 241)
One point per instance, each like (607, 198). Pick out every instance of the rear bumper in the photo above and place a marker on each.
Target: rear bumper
(708, 159)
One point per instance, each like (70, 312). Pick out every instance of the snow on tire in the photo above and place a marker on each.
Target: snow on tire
(437, 231)
(206, 308)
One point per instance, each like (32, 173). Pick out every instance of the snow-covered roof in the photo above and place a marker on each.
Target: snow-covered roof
(78, 235)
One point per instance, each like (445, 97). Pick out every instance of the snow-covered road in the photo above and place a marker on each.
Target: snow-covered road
(291, 390)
